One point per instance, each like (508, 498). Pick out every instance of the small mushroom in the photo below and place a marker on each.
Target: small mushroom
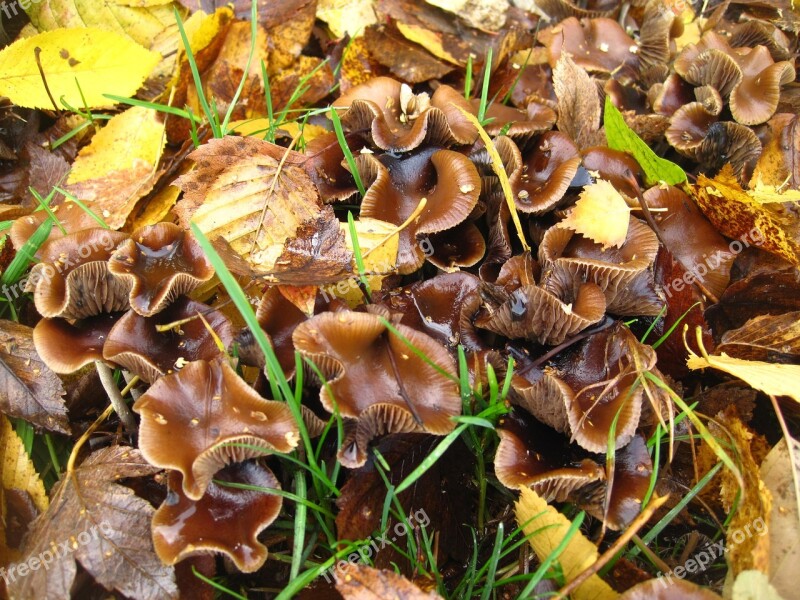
(613, 166)
(598, 45)
(72, 280)
(136, 343)
(399, 120)
(160, 262)
(519, 125)
(729, 142)
(375, 379)
(66, 347)
(218, 419)
(226, 520)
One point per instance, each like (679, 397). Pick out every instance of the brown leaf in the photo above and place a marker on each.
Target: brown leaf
(767, 338)
(28, 388)
(359, 582)
(578, 102)
(405, 60)
(103, 525)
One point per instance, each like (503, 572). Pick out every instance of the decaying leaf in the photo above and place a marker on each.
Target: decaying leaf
(737, 215)
(601, 214)
(28, 388)
(102, 525)
(770, 378)
(578, 102)
(773, 338)
(754, 585)
(102, 62)
(360, 582)
(546, 528)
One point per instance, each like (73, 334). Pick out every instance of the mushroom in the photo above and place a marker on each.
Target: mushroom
(218, 419)
(569, 259)
(136, 343)
(226, 520)
(398, 120)
(160, 262)
(377, 380)
(729, 142)
(670, 588)
(519, 125)
(669, 96)
(613, 166)
(66, 347)
(447, 180)
(597, 45)
(73, 281)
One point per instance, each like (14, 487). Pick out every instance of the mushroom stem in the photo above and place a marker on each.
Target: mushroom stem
(120, 407)
(400, 385)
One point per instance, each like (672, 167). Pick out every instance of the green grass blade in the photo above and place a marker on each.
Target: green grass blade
(348, 154)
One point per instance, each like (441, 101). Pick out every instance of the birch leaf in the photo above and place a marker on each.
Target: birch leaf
(601, 214)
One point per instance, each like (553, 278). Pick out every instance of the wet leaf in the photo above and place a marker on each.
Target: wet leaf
(102, 62)
(601, 214)
(621, 137)
(546, 528)
(360, 582)
(28, 388)
(578, 102)
(102, 525)
(736, 214)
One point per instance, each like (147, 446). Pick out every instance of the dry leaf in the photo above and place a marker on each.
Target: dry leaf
(601, 214)
(360, 582)
(737, 215)
(770, 378)
(546, 528)
(101, 524)
(102, 62)
(578, 102)
(28, 388)
(346, 17)
(773, 338)
(489, 15)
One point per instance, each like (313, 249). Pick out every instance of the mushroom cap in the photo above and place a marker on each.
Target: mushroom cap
(376, 379)
(756, 97)
(461, 246)
(73, 281)
(66, 347)
(225, 520)
(689, 126)
(160, 262)
(136, 344)
(519, 125)
(218, 418)
(598, 45)
(669, 96)
(533, 313)
(325, 165)
(729, 142)
(613, 166)
(388, 110)
(446, 179)
(655, 48)
(761, 33)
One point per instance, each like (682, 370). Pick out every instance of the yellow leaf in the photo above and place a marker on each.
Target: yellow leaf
(138, 130)
(546, 528)
(601, 214)
(431, 41)
(771, 378)
(102, 62)
(379, 242)
(766, 194)
(258, 127)
(346, 16)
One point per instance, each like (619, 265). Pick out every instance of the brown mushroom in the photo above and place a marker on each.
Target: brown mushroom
(73, 281)
(375, 379)
(226, 520)
(613, 166)
(447, 180)
(218, 419)
(519, 125)
(689, 126)
(729, 142)
(597, 45)
(161, 262)
(667, 97)
(668, 588)
(398, 120)
(136, 343)
(66, 347)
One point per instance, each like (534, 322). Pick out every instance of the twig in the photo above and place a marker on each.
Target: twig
(120, 407)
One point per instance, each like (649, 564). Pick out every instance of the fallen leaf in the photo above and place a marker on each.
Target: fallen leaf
(779, 163)
(360, 582)
(754, 585)
(100, 62)
(489, 15)
(346, 17)
(407, 61)
(28, 388)
(102, 525)
(601, 214)
(546, 528)
(780, 472)
(578, 102)
(770, 378)
(623, 138)
(772, 338)
(737, 215)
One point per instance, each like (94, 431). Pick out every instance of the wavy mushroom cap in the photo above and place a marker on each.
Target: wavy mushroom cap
(218, 419)
(613, 166)
(397, 183)
(519, 125)
(160, 262)
(729, 142)
(73, 280)
(66, 347)
(398, 120)
(376, 380)
(136, 343)
(688, 127)
(669, 96)
(597, 45)
(226, 520)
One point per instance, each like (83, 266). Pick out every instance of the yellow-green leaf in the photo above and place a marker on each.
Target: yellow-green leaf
(102, 62)
(601, 214)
